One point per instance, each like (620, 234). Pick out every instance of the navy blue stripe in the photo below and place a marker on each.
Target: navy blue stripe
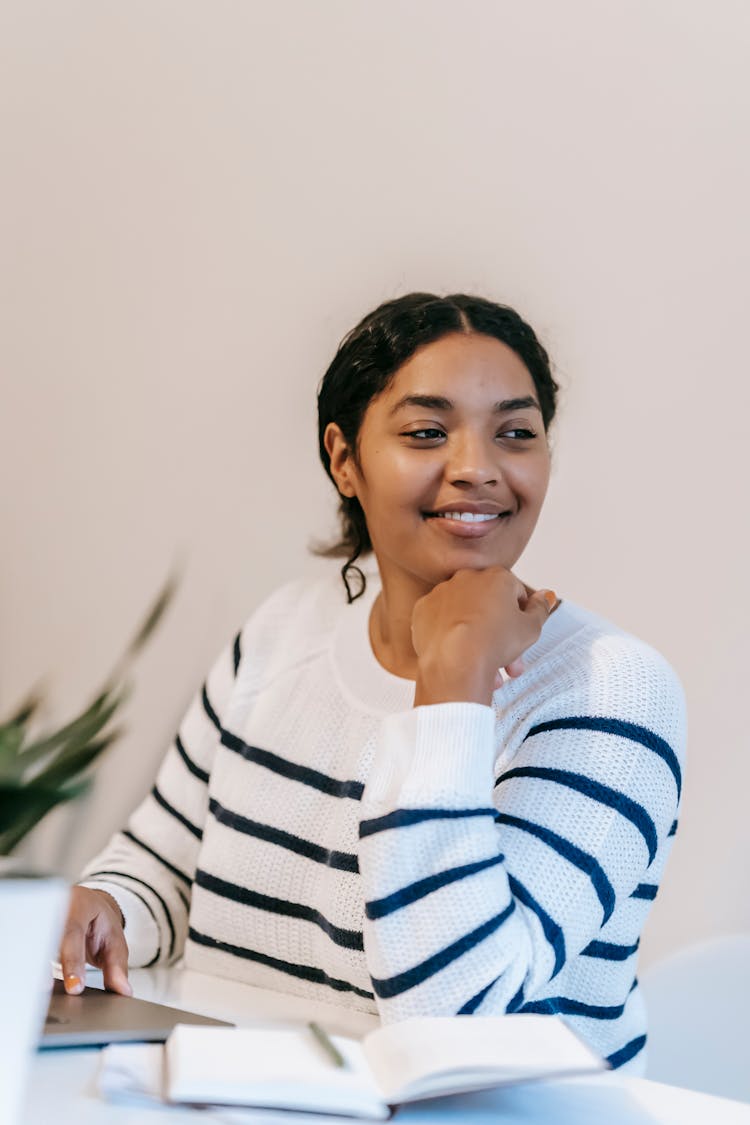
(162, 903)
(471, 1005)
(304, 774)
(566, 1006)
(380, 907)
(162, 800)
(609, 951)
(155, 893)
(302, 972)
(165, 863)
(626, 1053)
(236, 653)
(93, 878)
(516, 1001)
(645, 890)
(574, 855)
(209, 710)
(402, 818)
(194, 769)
(612, 798)
(342, 861)
(349, 939)
(393, 986)
(673, 829)
(622, 729)
(550, 928)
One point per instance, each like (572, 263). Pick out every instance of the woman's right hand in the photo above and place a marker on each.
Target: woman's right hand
(468, 627)
(94, 932)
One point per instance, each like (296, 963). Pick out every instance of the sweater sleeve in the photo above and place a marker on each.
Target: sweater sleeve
(483, 882)
(148, 867)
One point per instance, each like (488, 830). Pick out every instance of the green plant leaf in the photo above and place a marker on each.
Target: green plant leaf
(27, 709)
(145, 629)
(11, 741)
(22, 807)
(34, 778)
(153, 616)
(76, 759)
(67, 739)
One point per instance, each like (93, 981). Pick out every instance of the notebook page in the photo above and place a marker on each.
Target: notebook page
(275, 1067)
(424, 1054)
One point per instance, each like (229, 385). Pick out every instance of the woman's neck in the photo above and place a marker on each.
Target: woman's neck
(390, 625)
(390, 628)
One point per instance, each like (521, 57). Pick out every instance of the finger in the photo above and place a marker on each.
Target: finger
(552, 600)
(113, 961)
(529, 591)
(73, 958)
(515, 668)
(541, 604)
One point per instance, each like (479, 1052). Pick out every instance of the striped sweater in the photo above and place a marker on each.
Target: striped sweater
(310, 831)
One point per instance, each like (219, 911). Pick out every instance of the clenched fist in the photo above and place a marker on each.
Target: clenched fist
(468, 627)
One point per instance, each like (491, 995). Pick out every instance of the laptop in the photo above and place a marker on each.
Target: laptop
(95, 1018)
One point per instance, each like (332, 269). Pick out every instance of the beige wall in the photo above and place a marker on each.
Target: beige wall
(199, 199)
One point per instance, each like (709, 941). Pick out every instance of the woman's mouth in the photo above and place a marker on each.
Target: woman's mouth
(466, 525)
(465, 517)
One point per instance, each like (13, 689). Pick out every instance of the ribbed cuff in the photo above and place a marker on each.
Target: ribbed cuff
(141, 932)
(437, 755)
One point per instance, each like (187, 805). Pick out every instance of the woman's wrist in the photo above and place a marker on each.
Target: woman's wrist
(444, 684)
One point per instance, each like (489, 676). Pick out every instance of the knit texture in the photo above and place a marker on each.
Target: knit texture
(312, 832)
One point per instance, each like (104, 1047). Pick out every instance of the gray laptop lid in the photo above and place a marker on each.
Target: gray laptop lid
(95, 1018)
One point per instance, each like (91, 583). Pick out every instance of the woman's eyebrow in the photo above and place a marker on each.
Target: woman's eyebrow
(437, 402)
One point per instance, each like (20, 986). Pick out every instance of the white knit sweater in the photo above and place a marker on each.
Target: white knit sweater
(311, 831)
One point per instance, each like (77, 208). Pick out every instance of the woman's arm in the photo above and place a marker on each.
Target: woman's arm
(148, 868)
(480, 893)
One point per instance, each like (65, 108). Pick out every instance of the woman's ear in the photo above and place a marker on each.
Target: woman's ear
(342, 464)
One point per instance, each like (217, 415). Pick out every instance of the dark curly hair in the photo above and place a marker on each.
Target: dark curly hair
(370, 355)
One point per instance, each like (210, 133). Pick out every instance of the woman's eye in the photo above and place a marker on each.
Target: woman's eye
(518, 434)
(429, 434)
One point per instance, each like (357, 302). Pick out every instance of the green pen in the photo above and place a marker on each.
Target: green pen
(325, 1041)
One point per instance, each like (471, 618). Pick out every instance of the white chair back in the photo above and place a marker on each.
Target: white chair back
(699, 1017)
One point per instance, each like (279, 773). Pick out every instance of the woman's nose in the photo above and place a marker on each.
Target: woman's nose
(473, 461)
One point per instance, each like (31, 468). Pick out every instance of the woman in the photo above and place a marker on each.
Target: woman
(359, 804)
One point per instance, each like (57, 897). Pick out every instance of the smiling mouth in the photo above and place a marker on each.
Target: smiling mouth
(466, 517)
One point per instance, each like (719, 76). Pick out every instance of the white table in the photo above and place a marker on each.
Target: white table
(62, 1090)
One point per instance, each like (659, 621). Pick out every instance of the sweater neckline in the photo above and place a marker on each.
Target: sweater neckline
(357, 668)
(363, 677)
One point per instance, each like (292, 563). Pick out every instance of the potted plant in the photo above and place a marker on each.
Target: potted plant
(38, 771)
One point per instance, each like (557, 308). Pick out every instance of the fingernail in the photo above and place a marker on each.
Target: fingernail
(551, 599)
(72, 982)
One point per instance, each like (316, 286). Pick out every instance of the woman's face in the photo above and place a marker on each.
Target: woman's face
(453, 462)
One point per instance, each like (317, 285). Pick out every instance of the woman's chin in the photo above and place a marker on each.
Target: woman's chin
(432, 568)
(454, 561)
(443, 571)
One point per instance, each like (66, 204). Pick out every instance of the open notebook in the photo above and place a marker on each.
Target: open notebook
(279, 1068)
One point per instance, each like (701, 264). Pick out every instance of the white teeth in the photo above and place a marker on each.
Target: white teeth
(467, 517)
